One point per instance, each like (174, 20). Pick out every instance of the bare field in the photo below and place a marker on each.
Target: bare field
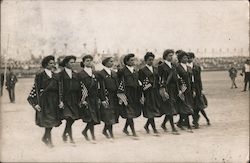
(226, 140)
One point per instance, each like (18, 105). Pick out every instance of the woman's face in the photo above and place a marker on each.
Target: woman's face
(88, 63)
(51, 65)
(150, 61)
(110, 63)
(131, 61)
(70, 64)
(184, 59)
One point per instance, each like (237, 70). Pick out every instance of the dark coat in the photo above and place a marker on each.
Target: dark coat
(71, 95)
(45, 93)
(186, 107)
(199, 101)
(108, 92)
(2, 79)
(91, 113)
(132, 91)
(169, 81)
(152, 96)
(11, 80)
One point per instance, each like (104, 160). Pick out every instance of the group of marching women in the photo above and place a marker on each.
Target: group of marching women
(169, 89)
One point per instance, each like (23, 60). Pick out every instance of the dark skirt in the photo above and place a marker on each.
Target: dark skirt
(110, 115)
(200, 102)
(91, 113)
(133, 109)
(152, 103)
(186, 106)
(169, 107)
(50, 114)
(247, 77)
(71, 106)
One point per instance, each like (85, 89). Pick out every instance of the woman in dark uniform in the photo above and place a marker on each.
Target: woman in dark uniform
(168, 90)
(129, 93)
(199, 103)
(90, 99)
(69, 90)
(108, 94)
(45, 100)
(186, 103)
(149, 77)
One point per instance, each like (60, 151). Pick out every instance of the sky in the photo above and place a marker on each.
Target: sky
(41, 27)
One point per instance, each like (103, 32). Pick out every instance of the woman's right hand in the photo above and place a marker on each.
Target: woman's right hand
(38, 108)
(61, 105)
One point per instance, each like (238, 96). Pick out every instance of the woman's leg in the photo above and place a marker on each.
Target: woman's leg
(84, 132)
(68, 129)
(92, 130)
(125, 129)
(132, 126)
(163, 125)
(104, 131)
(180, 122)
(205, 115)
(47, 137)
(110, 129)
(146, 126)
(152, 122)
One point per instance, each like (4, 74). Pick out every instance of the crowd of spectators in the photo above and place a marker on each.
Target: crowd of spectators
(31, 66)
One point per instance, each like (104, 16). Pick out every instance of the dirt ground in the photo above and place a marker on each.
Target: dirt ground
(226, 140)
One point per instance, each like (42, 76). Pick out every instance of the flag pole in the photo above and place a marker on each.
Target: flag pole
(5, 60)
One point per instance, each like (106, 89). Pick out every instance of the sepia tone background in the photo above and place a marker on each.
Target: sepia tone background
(216, 31)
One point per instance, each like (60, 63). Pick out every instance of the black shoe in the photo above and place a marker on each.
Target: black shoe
(208, 123)
(84, 133)
(65, 138)
(105, 133)
(45, 140)
(135, 135)
(72, 141)
(196, 126)
(189, 129)
(180, 126)
(50, 144)
(146, 128)
(164, 128)
(155, 131)
(175, 132)
(93, 137)
(126, 132)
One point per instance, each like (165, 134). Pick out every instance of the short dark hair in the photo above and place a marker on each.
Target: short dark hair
(191, 55)
(181, 54)
(167, 52)
(105, 60)
(84, 58)
(46, 60)
(148, 55)
(66, 60)
(127, 58)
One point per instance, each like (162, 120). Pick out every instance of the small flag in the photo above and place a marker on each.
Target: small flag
(84, 91)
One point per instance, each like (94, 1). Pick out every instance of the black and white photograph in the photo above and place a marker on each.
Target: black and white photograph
(124, 81)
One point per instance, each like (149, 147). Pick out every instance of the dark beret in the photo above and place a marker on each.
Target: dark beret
(181, 54)
(127, 57)
(191, 55)
(67, 59)
(167, 52)
(46, 60)
(147, 55)
(105, 60)
(84, 58)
